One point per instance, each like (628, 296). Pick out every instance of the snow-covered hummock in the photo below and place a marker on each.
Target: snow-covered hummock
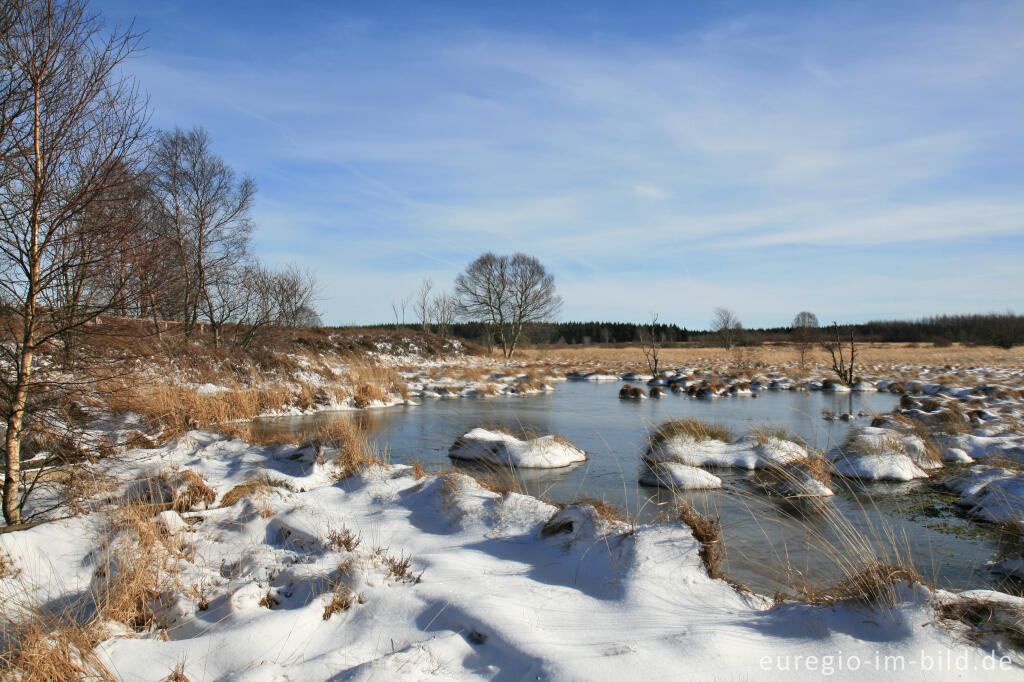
(600, 377)
(991, 493)
(878, 440)
(863, 386)
(495, 447)
(676, 475)
(796, 482)
(887, 466)
(981, 447)
(745, 453)
(835, 386)
(510, 588)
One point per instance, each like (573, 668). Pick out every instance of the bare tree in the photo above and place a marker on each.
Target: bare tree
(727, 326)
(843, 366)
(444, 310)
(506, 293)
(205, 215)
(421, 303)
(400, 306)
(805, 334)
(71, 129)
(295, 292)
(650, 344)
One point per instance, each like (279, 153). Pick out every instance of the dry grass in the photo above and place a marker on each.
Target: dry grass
(874, 585)
(40, 646)
(177, 409)
(696, 429)
(341, 600)
(373, 383)
(260, 485)
(418, 472)
(140, 563)
(764, 435)
(343, 539)
(356, 452)
(707, 532)
(605, 510)
(177, 674)
(7, 567)
(195, 491)
(399, 568)
(987, 617)
(868, 353)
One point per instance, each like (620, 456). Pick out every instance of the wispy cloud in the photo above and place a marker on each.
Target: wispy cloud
(664, 152)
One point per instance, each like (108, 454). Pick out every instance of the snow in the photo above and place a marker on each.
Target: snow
(495, 447)
(888, 466)
(676, 475)
(498, 587)
(991, 493)
(745, 453)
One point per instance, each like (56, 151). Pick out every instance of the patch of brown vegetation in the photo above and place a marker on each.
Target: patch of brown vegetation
(873, 585)
(987, 617)
(696, 429)
(343, 539)
(261, 485)
(706, 531)
(605, 510)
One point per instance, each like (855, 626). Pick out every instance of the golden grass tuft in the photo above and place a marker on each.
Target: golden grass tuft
(260, 485)
(40, 646)
(873, 585)
(605, 510)
(196, 491)
(707, 531)
(697, 429)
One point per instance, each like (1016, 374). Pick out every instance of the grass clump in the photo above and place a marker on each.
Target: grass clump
(262, 484)
(695, 429)
(708, 532)
(987, 617)
(874, 585)
(605, 510)
(40, 646)
(399, 567)
(343, 539)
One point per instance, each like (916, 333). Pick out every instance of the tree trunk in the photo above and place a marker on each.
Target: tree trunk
(12, 443)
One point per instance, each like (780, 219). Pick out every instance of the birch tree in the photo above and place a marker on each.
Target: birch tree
(71, 136)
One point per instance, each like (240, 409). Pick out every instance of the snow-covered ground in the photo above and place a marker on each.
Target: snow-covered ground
(383, 575)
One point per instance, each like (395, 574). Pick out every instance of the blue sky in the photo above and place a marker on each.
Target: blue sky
(858, 160)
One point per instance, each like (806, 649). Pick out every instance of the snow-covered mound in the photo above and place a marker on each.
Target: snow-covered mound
(676, 475)
(745, 453)
(991, 493)
(496, 447)
(889, 466)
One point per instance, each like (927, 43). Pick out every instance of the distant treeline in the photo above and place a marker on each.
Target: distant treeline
(997, 329)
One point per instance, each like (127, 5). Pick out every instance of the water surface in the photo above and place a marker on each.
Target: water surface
(764, 536)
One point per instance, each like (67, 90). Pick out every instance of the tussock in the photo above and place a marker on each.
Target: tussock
(343, 539)
(874, 585)
(605, 510)
(696, 429)
(262, 485)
